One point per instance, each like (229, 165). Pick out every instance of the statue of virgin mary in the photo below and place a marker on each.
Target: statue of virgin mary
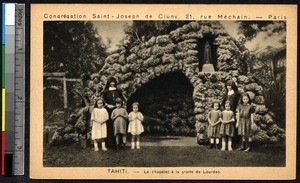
(207, 66)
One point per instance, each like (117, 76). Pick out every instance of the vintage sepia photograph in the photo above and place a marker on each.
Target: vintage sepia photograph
(158, 92)
(164, 93)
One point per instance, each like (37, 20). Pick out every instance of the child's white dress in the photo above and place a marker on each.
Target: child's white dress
(135, 126)
(99, 130)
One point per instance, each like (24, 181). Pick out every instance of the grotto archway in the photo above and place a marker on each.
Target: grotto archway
(167, 104)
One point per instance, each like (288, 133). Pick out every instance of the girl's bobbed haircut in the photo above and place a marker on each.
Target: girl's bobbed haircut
(119, 101)
(227, 102)
(216, 102)
(135, 104)
(245, 95)
(96, 105)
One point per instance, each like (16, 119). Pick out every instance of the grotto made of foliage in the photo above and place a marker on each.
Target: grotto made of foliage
(179, 52)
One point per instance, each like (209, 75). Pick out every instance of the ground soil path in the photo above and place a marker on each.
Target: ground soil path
(164, 152)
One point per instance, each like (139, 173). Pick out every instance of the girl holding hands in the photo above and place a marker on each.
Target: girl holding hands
(227, 127)
(119, 116)
(135, 126)
(214, 119)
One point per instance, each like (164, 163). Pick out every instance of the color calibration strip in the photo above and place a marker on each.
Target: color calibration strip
(13, 89)
(9, 62)
(3, 91)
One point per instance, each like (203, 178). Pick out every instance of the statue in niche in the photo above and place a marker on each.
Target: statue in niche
(207, 66)
(207, 53)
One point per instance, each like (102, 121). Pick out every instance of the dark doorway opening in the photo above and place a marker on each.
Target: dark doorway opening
(167, 104)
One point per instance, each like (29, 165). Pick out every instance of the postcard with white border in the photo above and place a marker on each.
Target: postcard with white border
(177, 92)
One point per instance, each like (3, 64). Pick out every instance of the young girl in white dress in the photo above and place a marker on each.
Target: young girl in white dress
(99, 118)
(135, 126)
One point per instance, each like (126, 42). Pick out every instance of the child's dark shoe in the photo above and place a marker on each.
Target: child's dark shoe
(124, 147)
(211, 146)
(248, 149)
(240, 148)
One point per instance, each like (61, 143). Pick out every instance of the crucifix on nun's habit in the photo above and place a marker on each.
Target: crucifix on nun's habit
(207, 66)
